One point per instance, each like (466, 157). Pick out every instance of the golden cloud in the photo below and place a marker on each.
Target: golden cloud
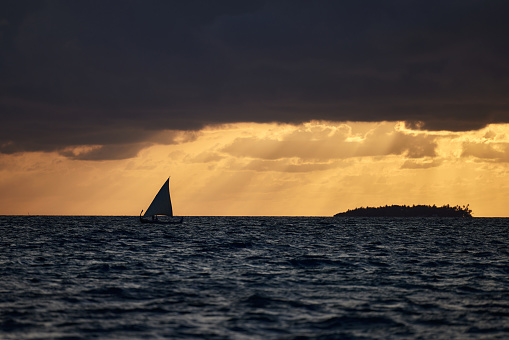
(321, 143)
(498, 152)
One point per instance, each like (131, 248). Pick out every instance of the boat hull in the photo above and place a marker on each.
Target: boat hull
(144, 220)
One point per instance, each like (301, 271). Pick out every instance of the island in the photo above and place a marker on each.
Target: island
(409, 211)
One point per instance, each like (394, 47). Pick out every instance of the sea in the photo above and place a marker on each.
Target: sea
(68, 277)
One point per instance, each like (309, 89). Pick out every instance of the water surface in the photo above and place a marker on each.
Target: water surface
(254, 278)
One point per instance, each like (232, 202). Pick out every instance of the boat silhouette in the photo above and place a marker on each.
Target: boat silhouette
(160, 206)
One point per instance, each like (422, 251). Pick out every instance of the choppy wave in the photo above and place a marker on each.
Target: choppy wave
(254, 278)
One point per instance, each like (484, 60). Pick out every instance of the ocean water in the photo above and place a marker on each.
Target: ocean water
(254, 278)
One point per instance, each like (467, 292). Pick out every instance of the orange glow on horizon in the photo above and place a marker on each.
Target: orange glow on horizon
(312, 169)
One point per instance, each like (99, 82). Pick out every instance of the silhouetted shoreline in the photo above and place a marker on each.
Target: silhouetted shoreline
(409, 211)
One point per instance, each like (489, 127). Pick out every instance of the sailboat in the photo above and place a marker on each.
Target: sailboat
(160, 206)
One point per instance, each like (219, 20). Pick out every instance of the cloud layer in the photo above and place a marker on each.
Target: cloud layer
(314, 142)
(116, 73)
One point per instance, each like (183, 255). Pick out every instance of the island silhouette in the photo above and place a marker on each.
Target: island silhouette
(408, 211)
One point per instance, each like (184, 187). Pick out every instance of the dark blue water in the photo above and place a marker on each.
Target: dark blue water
(254, 278)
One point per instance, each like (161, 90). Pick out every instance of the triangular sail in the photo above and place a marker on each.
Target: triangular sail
(161, 205)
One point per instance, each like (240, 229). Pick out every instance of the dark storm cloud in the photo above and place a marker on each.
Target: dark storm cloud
(116, 72)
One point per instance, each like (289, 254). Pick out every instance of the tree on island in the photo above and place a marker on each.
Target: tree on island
(409, 211)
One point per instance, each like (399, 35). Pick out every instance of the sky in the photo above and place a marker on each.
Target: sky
(253, 107)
